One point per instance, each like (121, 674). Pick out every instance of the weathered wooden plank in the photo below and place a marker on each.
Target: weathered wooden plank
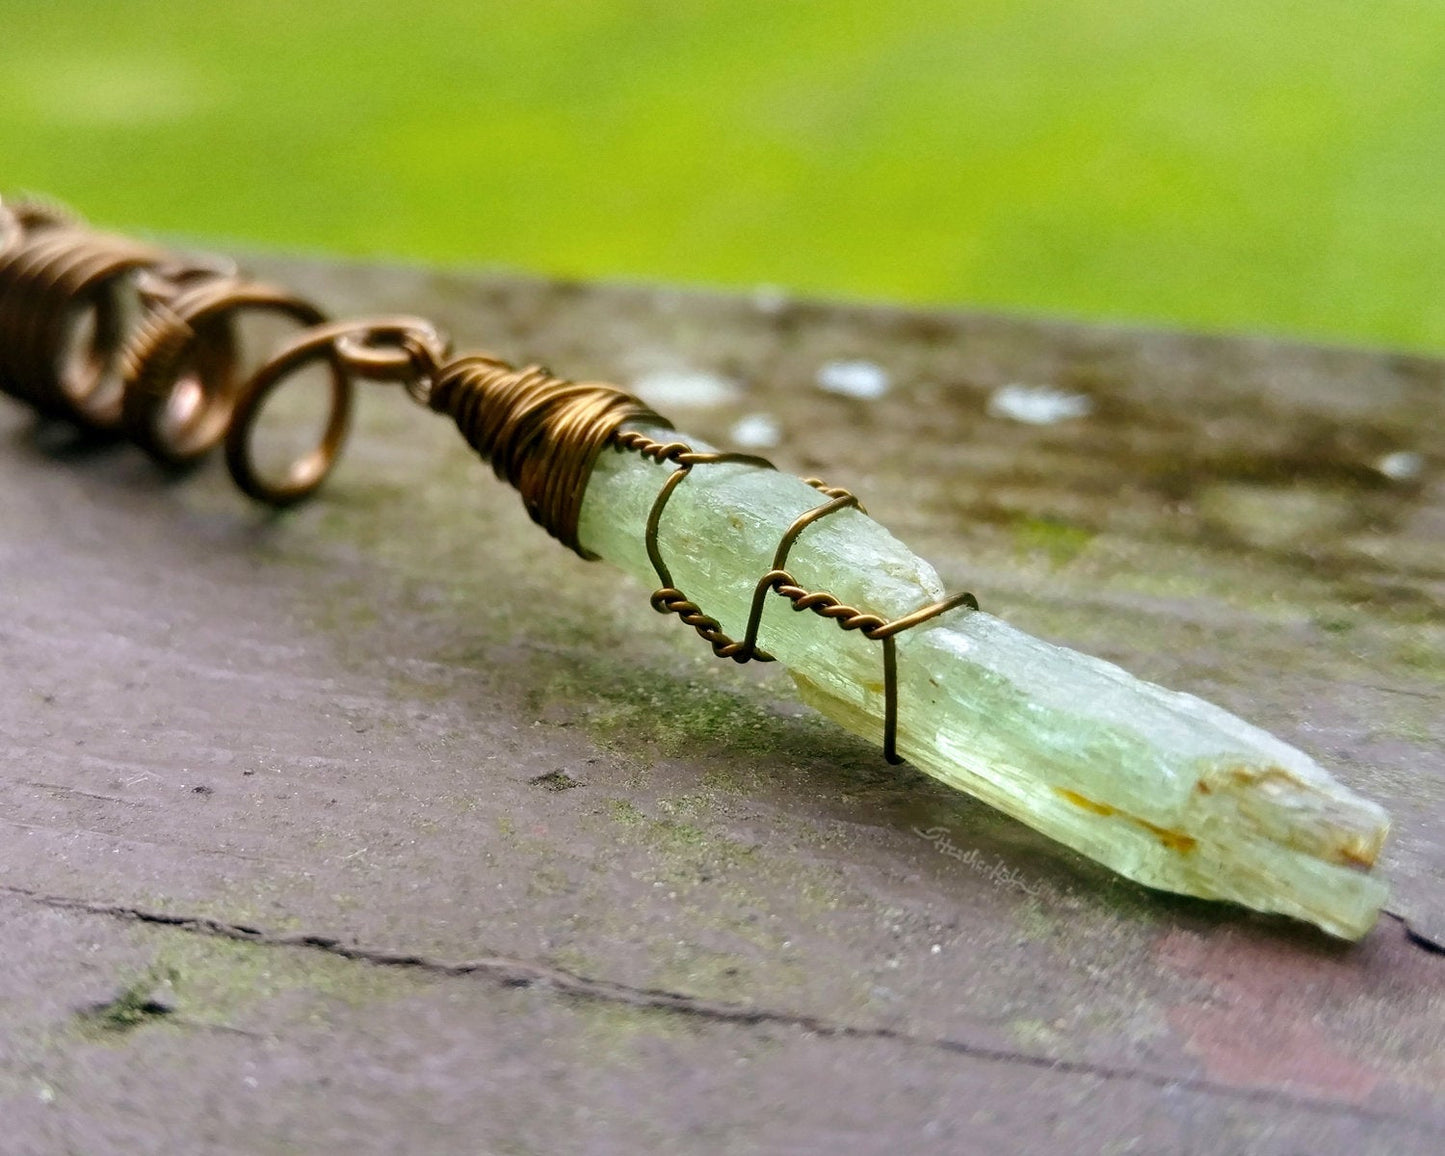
(353, 720)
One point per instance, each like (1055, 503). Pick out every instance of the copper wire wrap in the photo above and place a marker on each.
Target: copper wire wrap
(541, 434)
(62, 314)
(120, 336)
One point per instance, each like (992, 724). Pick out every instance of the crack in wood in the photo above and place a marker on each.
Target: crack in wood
(58, 788)
(1415, 935)
(522, 973)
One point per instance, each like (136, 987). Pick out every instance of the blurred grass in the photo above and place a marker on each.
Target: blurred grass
(1275, 166)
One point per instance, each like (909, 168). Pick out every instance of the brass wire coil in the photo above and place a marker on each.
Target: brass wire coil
(540, 433)
(173, 384)
(62, 314)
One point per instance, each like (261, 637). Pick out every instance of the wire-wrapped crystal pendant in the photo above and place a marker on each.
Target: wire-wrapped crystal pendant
(1160, 786)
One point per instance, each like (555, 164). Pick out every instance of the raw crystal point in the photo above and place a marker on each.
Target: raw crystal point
(1163, 787)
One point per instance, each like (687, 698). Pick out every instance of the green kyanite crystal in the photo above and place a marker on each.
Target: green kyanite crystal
(1161, 786)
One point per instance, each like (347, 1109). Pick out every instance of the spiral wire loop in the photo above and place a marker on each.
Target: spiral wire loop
(180, 366)
(172, 382)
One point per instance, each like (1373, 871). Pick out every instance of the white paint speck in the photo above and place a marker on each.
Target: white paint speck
(863, 380)
(756, 431)
(680, 388)
(770, 299)
(1402, 465)
(1038, 404)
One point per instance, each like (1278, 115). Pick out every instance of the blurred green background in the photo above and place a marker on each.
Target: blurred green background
(1270, 166)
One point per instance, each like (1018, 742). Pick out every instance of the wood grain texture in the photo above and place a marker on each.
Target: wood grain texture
(297, 767)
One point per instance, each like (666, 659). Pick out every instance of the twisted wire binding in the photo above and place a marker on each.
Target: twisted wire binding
(668, 599)
(174, 385)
